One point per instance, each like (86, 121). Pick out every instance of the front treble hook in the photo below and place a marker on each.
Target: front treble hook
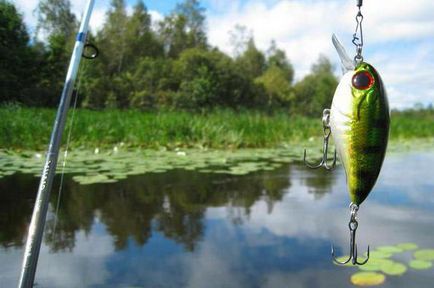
(327, 133)
(353, 246)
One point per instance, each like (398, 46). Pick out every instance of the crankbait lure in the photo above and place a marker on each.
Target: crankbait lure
(359, 122)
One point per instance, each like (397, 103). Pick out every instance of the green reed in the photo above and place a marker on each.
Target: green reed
(30, 128)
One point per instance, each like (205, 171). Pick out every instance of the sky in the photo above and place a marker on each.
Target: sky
(399, 34)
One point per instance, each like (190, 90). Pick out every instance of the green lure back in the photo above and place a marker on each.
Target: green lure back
(360, 121)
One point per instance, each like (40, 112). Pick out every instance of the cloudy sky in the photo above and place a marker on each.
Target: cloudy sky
(399, 34)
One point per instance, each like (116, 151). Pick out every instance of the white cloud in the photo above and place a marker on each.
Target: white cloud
(83, 267)
(27, 7)
(156, 17)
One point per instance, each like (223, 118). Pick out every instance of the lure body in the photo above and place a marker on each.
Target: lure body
(360, 121)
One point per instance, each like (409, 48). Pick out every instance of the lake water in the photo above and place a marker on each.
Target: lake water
(190, 229)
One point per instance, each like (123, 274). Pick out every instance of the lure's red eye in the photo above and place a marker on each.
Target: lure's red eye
(363, 80)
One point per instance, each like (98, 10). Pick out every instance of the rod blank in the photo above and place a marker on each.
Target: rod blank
(37, 224)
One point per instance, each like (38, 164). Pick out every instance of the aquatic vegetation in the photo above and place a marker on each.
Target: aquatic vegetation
(389, 249)
(380, 254)
(30, 128)
(110, 166)
(407, 246)
(375, 264)
(393, 268)
(381, 263)
(424, 254)
(420, 264)
(367, 278)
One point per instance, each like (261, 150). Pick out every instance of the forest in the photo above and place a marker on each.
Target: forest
(152, 65)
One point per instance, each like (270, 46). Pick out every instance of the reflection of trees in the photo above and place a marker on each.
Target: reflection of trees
(172, 203)
(16, 206)
(76, 212)
(319, 181)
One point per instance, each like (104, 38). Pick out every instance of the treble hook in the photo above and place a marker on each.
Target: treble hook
(353, 246)
(327, 133)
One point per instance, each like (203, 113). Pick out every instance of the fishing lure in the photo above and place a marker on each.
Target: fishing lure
(358, 121)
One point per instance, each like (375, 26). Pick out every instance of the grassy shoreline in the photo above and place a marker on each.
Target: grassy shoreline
(30, 128)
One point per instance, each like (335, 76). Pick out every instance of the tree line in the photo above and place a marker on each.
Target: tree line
(147, 64)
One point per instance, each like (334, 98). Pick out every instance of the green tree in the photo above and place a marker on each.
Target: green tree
(277, 58)
(252, 62)
(126, 40)
(315, 92)
(140, 40)
(207, 79)
(277, 79)
(103, 75)
(195, 22)
(153, 83)
(238, 38)
(184, 28)
(277, 87)
(17, 58)
(112, 37)
(56, 20)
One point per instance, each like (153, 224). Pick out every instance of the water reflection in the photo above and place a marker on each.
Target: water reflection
(188, 229)
(172, 203)
(17, 195)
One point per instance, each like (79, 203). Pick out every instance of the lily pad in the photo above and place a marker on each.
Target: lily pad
(407, 246)
(133, 162)
(389, 249)
(94, 179)
(367, 279)
(420, 264)
(379, 254)
(374, 264)
(424, 254)
(394, 268)
(120, 176)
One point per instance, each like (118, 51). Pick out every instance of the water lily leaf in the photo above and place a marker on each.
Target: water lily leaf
(93, 179)
(119, 176)
(379, 254)
(389, 249)
(424, 254)
(158, 171)
(133, 162)
(238, 172)
(206, 171)
(8, 173)
(370, 266)
(269, 168)
(111, 180)
(367, 279)
(407, 246)
(420, 264)
(394, 268)
(222, 172)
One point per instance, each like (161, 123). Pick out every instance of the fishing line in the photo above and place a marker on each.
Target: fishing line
(68, 141)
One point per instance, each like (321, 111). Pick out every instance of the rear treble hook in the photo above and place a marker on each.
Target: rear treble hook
(327, 133)
(353, 246)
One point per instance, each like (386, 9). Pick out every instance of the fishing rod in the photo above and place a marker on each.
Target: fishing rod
(37, 224)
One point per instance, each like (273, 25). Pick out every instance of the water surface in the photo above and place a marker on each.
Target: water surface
(190, 229)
